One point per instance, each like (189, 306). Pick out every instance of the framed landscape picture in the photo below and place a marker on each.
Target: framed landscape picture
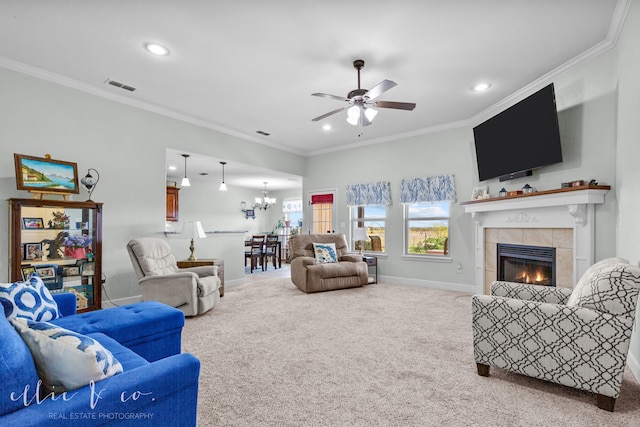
(45, 174)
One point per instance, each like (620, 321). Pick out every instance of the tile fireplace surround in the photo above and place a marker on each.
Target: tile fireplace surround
(562, 219)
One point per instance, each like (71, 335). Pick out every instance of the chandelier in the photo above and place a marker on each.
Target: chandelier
(264, 202)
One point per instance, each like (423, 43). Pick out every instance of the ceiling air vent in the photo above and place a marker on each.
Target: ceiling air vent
(120, 85)
(261, 132)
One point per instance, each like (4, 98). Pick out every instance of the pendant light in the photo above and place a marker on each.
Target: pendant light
(185, 180)
(223, 186)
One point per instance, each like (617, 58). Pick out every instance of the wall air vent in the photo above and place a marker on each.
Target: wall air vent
(261, 132)
(120, 85)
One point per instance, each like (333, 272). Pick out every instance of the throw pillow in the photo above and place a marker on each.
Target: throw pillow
(28, 300)
(588, 276)
(325, 253)
(613, 289)
(65, 360)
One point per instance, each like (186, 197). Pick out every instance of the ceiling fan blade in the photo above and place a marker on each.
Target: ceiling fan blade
(382, 87)
(326, 95)
(328, 114)
(396, 105)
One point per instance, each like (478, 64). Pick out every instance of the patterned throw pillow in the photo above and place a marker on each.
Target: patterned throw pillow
(588, 276)
(613, 289)
(325, 253)
(65, 360)
(28, 300)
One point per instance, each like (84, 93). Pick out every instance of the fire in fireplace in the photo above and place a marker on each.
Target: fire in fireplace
(527, 264)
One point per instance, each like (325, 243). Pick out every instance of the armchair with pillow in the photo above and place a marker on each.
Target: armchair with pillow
(193, 290)
(577, 338)
(322, 262)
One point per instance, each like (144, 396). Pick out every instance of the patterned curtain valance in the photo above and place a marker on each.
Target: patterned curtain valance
(436, 188)
(291, 206)
(378, 194)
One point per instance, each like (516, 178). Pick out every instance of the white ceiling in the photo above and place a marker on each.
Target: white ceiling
(244, 66)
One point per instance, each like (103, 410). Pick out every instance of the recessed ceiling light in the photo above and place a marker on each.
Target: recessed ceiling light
(156, 49)
(481, 87)
(172, 168)
(326, 127)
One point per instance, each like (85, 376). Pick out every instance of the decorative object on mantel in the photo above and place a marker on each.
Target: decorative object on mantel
(514, 193)
(479, 193)
(193, 230)
(527, 189)
(90, 182)
(502, 193)
(264, 202)
(248, 213)
(43, 175)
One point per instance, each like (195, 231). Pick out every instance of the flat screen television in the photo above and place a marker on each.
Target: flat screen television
(523, 137)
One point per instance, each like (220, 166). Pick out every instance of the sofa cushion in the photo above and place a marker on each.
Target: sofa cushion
(65, 360)
(325, 253)
(127, 358)
(17, 369)
(588, 276)
(151, 329)
(613, 289)
(332, 270)
(28, 300)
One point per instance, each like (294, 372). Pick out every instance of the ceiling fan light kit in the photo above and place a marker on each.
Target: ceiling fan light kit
(360, 101)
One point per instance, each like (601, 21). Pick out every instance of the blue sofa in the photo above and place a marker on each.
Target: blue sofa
(158, 385)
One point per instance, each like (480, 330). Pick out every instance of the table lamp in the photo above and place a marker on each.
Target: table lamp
(360, 235)
(192, 230)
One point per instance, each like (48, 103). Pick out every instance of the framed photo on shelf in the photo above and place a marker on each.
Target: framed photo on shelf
(32, 223)
(46, 272)
(71, 271)
(32, 251)
(479, 193)
(46, 175)
(27, 272)
(88, 268)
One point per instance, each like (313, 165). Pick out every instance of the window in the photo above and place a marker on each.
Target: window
(292, 210)
(427, 228)
(372, 218)
(322, 213)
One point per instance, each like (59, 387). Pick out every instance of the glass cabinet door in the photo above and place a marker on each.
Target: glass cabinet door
(61, 241)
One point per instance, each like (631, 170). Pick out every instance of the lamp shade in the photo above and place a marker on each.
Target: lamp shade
(360, 234)
(193, 230)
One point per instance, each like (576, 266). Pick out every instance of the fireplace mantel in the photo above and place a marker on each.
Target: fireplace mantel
(565, 208)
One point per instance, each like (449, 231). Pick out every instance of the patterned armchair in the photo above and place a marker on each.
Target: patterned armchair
(579, 339)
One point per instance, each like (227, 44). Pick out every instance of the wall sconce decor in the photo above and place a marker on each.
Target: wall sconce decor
(248, 213)
(89, 182)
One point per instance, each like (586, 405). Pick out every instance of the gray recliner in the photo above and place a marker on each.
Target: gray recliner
(193, 290)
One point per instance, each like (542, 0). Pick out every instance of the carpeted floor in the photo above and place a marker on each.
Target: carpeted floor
(381, 355)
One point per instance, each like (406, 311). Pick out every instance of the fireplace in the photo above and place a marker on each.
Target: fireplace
(526, 264)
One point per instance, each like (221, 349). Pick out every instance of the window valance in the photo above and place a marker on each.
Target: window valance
(435, 188)
(376, 194)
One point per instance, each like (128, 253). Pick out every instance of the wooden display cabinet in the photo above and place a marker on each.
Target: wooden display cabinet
(36, 243)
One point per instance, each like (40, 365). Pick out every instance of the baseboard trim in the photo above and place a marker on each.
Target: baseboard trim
(457, 287)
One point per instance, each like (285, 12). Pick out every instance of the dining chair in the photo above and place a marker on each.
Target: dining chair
(255, 252)
(272, 250)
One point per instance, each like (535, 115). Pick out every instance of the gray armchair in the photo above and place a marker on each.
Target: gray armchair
(577, 338)
(193, 290)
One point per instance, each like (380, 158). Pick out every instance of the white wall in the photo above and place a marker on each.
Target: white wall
(628, 154)
(127, 146)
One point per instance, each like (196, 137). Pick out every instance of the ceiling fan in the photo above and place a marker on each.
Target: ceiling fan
(360, 102)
